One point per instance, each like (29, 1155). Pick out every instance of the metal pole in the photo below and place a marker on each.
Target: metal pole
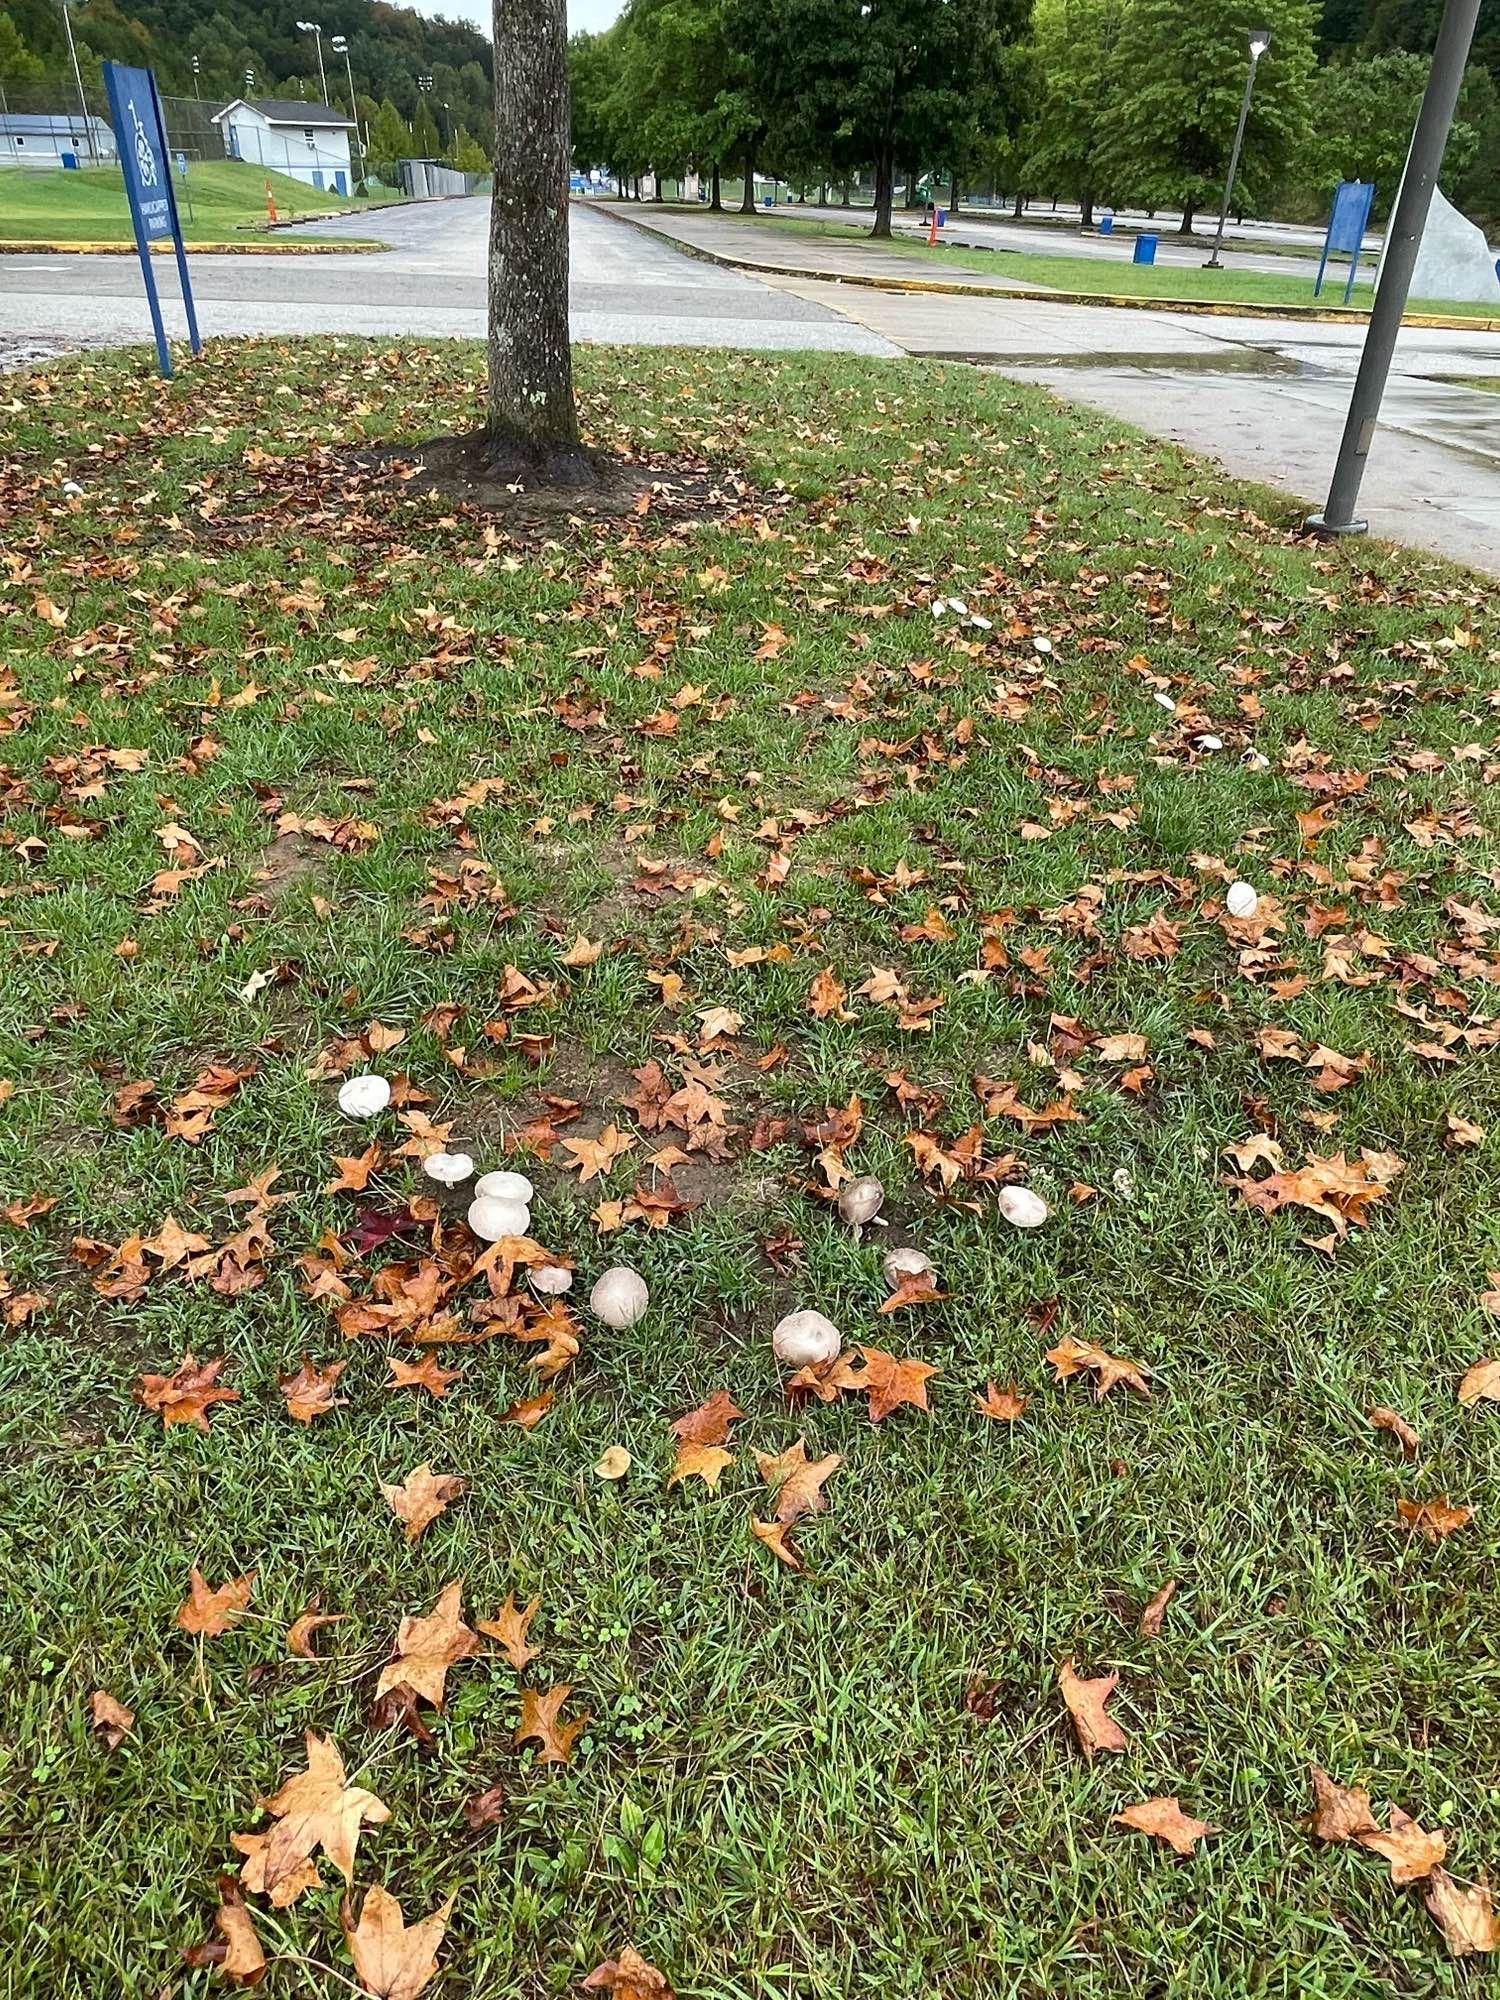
(354, 114)
(322, 73)
(83, 103)
(1402, 240)
(1213, 263)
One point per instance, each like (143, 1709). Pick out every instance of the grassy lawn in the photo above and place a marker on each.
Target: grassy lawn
(301, 765)
(90, 207)
(1119, 276)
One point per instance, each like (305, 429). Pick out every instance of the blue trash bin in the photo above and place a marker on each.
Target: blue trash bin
(768, 201)
(1145, 250)
(70, 160)
(942, 218)
(1106, 225)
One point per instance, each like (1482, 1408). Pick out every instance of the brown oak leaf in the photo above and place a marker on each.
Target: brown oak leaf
(422, 1497)
(1383, 1419)
(629, 1977)
(109, 1719)
(1480, 1383)
(1411, 1850)
(539, 1723)
(1072, 1357)
(185, 1396)
(1085, 1703)
(1340, 1812)
(1466, 1917)
(1165, 1819)
(509, 1626)
(309, 1392)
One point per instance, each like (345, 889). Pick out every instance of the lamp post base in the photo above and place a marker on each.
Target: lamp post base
(1212, 264)
(1330, 531)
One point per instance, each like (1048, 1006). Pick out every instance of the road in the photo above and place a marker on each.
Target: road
(626, 287)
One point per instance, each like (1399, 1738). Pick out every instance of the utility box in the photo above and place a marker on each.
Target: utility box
(1145, 250)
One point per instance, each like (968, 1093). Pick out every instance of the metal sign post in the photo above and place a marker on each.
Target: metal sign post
(1347, 222)
(141, 142)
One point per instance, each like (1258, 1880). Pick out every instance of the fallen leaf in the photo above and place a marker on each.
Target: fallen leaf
(1481, 1382)
(709, 1423)
(424, 1374)
(1383, 1419)
(1072, 1357)
(891, 1381)
(427, 1647)
(529, 1411)
(185, 1397)
(1466, 1917)
(400, 1708)
(422, 1497)
(700, 1461)
(1339, 1812)
(629, 1977)
(309, 1393)
(110, 1719)
(316, 1808)
(539, 1723)
(796, 1480)
(309, 1620)
(1412, 1852)
(212, 1612)
(485, 1809)
(1003, 1405)
(594, 1157)
(236, 1950)
(1085, 1702)
(1435, 1517)
(774, 1535)
(510, 1627)
(1151, 1618)
(394, 1960)
(1165, 1819)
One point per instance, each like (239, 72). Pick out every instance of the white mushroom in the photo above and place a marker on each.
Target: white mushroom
(505, 1187)
(1208, 741)
(901, 1264)
(447, 1169)
(1022, 1208)
(805, 1340)
(615, 1463)
(364, 1096)
(861, 1201)
(1041, 643)
(1256, 760)
(551, 1280)
(958, 607)
(1165, 701)
(1241, 900)
(490, 1219)
(620, 1297)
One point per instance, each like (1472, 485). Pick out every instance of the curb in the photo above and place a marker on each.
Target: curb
(163, 247)
(1204, 308)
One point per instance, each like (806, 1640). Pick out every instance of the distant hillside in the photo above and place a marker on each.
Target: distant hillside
(390, 47)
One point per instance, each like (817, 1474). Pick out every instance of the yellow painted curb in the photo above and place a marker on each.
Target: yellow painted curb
(163, 248)
(1207, 308)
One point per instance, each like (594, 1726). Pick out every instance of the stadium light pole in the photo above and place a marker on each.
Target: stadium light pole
(315, 28)
(83, 103)
(1260, 41)
(1402, 241)
(340, 46)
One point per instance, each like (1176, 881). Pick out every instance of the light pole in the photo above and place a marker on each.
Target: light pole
(1403, 238)
(83, 103)
(315, 28)
(249, 79)
(197, 88)
(424, 84)
(1260, 41)
(340, 47)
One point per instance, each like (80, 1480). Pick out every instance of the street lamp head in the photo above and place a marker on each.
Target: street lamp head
(1260, 41)
(340, 45)
(311, 27)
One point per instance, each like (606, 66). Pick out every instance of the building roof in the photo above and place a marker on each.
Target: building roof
(23, 123)
(288, 111)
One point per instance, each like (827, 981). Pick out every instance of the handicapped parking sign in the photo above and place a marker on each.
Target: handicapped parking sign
(141, 143)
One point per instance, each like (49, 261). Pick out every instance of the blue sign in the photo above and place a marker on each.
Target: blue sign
(141, 142)
(1347, 221)
(182, 165)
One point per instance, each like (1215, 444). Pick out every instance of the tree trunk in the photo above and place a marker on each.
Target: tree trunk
(1186, 228)
(717, 204)
(846, 194)
(530, 413)
(953, 197)
(1020, 204)
(911, 188)
(1086, 212)
(885, 189)
(747, 199)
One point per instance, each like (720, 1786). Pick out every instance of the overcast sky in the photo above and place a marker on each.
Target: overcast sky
(581, 13)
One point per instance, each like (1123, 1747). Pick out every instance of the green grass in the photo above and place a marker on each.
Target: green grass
(1118, 275)
(782, 1790)
(90, 207)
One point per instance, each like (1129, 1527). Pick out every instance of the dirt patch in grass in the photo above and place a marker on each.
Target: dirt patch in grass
(290, 859)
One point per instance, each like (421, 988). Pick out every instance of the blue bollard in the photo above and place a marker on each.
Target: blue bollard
(1145, 250)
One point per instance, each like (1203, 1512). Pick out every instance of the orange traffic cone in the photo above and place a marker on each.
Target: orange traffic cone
(932, 234)
(270, 203)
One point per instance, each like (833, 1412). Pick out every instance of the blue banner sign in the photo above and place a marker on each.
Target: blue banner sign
(141, 142)
(1347, 222)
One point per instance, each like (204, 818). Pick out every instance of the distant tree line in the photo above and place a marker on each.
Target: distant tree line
(389, 47)
(1098, 101)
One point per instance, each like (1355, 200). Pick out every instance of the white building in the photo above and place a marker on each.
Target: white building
(47, 138)
(308, 141)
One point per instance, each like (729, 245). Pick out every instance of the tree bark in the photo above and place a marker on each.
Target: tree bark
(717, 203)
(747, 199)
(911, 188)
(531, 411)
(846, 195)
(1086, 212)
(1186, 227)
(1020, 204)
(885, 189)
(953, 197)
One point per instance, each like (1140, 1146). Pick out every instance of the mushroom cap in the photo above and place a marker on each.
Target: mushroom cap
(448, 1169)
(862, 1200)
(1022, 1208)
(551, 1280)
(490, 1219)
(1206, 740)
(505, 1187)
(806, 1340)
(906, 1263)
(1241, 901)
(364, 1096)
(619, 1297)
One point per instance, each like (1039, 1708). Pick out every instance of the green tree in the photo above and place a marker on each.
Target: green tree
(1074, 47)
(1181, 69)
(390, 138)
(466, 155)
(425, 143)
(17, 63)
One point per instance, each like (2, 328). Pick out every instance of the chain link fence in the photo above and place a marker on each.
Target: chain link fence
(189, 120)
